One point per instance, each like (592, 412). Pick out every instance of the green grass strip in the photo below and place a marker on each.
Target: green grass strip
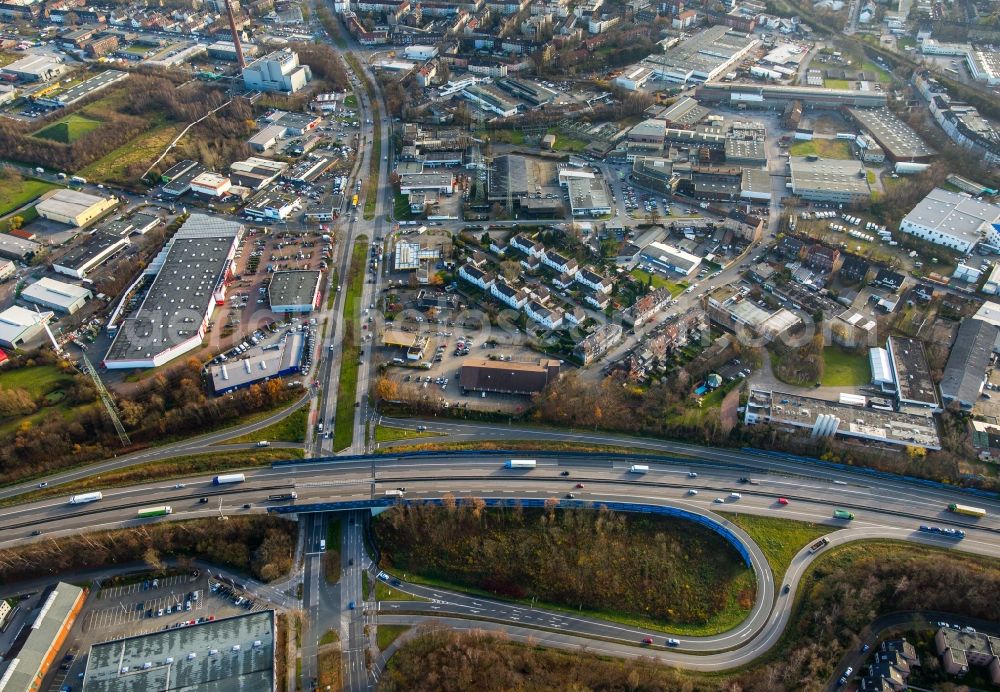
(347, 389)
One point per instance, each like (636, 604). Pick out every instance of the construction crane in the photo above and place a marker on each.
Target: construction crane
(109, 403)
(45, 323)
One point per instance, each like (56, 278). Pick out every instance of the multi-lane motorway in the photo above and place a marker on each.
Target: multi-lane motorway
(884, 508)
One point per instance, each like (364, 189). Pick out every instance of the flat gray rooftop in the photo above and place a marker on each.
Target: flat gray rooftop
(509, 175)
(896, 137)
(867, 423)
(92, 246)
(182, 292)
(703, 52)
(828, 174)
(913, 374)
(954, 214)
(231, 655)
(181, 183)
(293, 288)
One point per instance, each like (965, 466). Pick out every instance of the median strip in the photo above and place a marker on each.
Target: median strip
(347, 386)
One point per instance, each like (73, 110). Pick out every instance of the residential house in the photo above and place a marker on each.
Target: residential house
(821, 258)
(513, 297)
(599, 342)
(565, 265)
(527, 246)
(531, 263)
(592, 280)
(853, 269)
(563, 281)
(790, 248)
(550, 318)
(576, 316)
(888, 279)
(476, 277)
(601, 301)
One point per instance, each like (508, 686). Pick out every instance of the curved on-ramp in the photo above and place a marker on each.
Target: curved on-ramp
(748, 550)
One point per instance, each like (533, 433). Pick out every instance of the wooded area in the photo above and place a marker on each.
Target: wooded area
(671, 571)
(172, 404)
(260, 545)
(846, 591)
(614, 404)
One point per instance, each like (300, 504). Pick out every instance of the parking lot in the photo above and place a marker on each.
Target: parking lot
(440, 382)
(135, 608)
(156, 606)
(247, 309)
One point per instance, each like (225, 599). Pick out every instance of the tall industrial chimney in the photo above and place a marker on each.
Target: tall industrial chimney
(236, 37)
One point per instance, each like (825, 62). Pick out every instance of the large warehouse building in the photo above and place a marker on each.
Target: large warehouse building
(29, 664)
(899, 141)
(776, 96)
(234, 653)
(829, 180)
(20, 325)
(189, 281)
(702, 57)
(90, 253)
(56, 295)
(34, 68)
(953, 220)
(74, 208)
(16, 248)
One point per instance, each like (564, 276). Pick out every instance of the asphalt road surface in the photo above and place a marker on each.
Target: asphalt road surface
(884, 509)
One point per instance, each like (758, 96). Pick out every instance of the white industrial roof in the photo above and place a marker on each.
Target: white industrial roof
(953, 213)
(15, 320)
(878, 358)
(55, 293)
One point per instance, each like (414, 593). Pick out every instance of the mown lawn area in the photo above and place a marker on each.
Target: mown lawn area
(675, 288)
(642, 570)
(844, 369)
(347, 388)
(37, 381)
(384, 433)
(291, 428)
(836, 84)
(387, 634)
(779, 539)
(825, 148)
(384, 592)
(506, 136)
(570, 144)
(69, 129)
(329, 637)
(401, 208)
(14, 194)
